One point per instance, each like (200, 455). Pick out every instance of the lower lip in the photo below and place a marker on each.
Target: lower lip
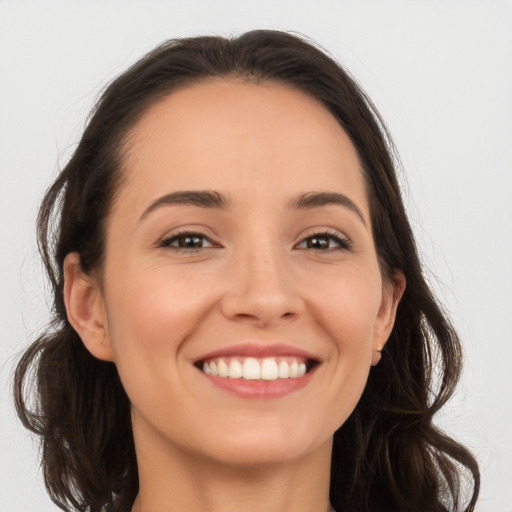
(260, 388)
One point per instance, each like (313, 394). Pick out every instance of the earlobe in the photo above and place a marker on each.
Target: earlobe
(377, 355)
(392, 293)
(85, 309)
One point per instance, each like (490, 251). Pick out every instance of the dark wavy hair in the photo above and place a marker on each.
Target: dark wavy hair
(388, 455)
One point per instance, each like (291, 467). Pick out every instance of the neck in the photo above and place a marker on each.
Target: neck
(170, 480)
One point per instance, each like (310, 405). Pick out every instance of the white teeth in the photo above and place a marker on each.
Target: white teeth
(251, 368)
(223, 368)
(235, 369)
(254, 369)
(269, 369)
(284, 370)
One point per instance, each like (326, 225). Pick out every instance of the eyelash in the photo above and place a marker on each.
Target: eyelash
(166, 242)
(343, 243)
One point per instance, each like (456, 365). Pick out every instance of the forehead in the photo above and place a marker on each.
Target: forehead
(242, 137)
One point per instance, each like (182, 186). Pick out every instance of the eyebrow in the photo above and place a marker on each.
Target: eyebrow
(318, 199)
(201, 198)
(213, 199)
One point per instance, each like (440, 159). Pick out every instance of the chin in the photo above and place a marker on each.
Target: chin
(264, 445)
(259, 455)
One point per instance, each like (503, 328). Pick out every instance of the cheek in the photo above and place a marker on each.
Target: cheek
(346, 314)
(151, 318)
(347, 308)
(151, 314)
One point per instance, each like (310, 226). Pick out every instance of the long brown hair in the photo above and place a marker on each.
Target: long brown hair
(388, 456)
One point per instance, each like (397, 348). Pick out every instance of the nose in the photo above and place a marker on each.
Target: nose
(261, 289)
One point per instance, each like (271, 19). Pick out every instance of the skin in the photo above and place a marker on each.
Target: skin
(257, 278)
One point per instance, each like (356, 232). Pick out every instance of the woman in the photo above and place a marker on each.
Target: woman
(241, 320)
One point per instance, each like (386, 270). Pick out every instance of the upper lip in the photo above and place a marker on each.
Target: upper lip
(258, 351)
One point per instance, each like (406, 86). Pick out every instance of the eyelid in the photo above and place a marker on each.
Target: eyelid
(344, 243)
(167, 239)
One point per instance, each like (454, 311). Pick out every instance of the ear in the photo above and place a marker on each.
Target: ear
(85, 309)
(392, 292)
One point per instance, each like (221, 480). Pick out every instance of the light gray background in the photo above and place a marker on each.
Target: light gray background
(440, 73)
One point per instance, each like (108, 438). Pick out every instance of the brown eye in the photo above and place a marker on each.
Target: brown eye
(325, 242)
(187, 241)
(318, 242)
(190, 241)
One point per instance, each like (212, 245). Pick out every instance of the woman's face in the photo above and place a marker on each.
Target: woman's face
(241, 237)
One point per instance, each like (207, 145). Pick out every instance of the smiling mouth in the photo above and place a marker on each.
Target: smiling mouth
(257, 369)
